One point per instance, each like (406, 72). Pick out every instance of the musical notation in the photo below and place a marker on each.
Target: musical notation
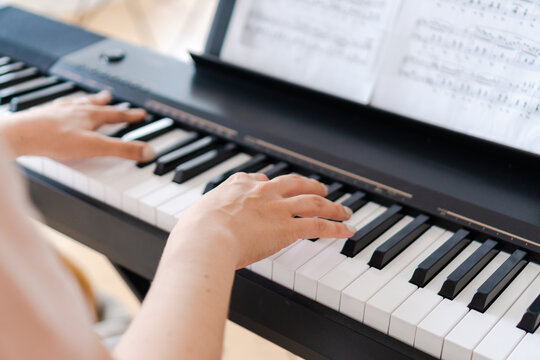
(525, 11)
(332, 46)
(472, 66)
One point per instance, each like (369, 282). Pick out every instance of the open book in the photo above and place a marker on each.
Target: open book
(470, 66)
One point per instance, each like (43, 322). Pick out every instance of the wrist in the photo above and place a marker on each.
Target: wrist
(197, 244)
(12, 133)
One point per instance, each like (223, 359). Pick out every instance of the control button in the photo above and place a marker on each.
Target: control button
(113, 55)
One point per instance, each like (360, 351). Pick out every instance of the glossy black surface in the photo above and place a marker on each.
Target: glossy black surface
(531, 319)
(435, 262)
(488, 292)
(200, 164)
(398, 242)
(371, 231)
(464, 273)
(39, 97)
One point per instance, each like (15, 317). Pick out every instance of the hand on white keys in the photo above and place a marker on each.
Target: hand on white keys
(63, 129)
(256, 217)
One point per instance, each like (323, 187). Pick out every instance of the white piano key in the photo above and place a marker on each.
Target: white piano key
(355, 296)
(4, 109)
(467, 334)
(528, 348)
(150, 128)
(149, 203)
(49, 168)
(115, 189)
(408, 315)
(166, 213)
(118, 180)
(264, 267)
(285, 266)
(307, 276)
(381, 305)
(505, 335)
(34, 163)
(130, 197)
(330, 286)
(432, 330)
(88, 175)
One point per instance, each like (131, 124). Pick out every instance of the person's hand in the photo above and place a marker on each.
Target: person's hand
(64, 130)
(253, 218)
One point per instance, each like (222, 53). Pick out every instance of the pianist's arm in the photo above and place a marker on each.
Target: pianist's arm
(63, 130)
(243, 220)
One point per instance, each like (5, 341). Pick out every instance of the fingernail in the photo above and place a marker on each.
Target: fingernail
(348, 210)
(148, 153)
(351, 228)
(137, 112)
(104, 93)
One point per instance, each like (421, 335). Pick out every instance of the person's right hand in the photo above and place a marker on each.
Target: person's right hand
(253, 217)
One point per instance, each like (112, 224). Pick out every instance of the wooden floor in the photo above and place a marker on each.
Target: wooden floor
(171, 27)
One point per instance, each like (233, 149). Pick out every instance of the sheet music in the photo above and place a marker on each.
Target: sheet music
(472, 66)
(327, 45)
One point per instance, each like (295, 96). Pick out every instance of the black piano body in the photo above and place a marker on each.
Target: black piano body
(461, 181)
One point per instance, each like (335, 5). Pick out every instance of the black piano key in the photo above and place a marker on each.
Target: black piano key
(149, 118)
(371, 231)
(14, 66)
(39, 97)
(488, 292)
(150, 131)
(200, 164)
(355, 201)
(278, 169)
(171, 160)
(459, 278)
(252, 165)
(335, 191)
(188, 139)
(395, 245)
(20, 89)
(435, 262)
(4, 60)
(531, 319)
(315, 177)
(17, 77)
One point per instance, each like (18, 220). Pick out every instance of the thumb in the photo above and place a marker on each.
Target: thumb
(132, 150)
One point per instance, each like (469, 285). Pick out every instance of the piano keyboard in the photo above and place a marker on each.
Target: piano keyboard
(441, 291)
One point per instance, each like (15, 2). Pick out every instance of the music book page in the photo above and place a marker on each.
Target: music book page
(327, 45)
(471, 66)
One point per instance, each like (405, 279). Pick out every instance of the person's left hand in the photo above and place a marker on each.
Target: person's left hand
(64, 130)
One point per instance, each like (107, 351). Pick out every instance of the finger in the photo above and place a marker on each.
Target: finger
(310, 228)
(317, 206)
(292, 185)
(97, 145)
(101, 98)
(101, 115)
(258, 176)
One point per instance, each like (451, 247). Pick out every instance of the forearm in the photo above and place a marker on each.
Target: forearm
(184, 314)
